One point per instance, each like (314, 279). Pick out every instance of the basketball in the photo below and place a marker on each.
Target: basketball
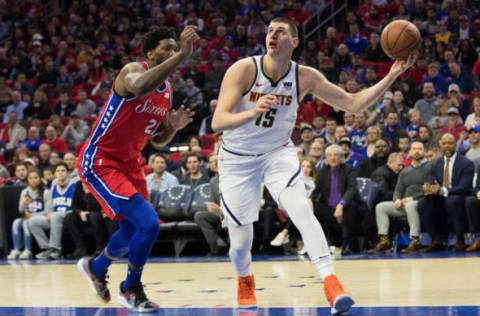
(399, 38)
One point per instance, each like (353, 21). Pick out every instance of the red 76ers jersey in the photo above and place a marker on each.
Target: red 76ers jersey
(126, 124)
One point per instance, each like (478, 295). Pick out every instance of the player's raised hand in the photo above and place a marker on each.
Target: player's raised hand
(402, 65)
(263, 104)
(187, 38)
(180, 118)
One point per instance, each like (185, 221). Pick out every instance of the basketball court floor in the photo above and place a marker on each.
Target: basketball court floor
(440, 284)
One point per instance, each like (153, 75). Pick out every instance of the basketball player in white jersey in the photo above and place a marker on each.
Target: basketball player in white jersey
(257, 109)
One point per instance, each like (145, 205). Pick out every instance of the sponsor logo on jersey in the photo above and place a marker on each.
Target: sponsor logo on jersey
(259, 84)
(282, 99)
(149, 108)
(287, 85)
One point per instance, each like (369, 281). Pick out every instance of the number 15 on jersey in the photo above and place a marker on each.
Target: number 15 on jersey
(266, 119)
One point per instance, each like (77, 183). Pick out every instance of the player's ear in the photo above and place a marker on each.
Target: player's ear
(295, 42)
(150, 54)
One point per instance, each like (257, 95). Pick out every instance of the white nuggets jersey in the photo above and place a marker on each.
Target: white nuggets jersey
(272, 129)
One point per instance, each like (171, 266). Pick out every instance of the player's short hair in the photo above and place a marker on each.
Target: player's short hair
(291, 24)
(154, 36)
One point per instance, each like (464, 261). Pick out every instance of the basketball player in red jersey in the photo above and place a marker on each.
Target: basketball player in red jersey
(138, 109)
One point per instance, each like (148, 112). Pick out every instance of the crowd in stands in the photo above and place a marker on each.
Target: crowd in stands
(418, 145)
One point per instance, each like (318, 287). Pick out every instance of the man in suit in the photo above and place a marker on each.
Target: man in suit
(450, 182)
(369, 165)
(337, 202)
(386, 176)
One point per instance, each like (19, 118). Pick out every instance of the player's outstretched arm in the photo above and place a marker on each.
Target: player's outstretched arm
(134, 79)
(312, 81)
(237, 80)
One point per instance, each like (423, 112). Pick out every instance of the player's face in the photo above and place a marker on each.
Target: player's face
(164, 50)
(279, 38)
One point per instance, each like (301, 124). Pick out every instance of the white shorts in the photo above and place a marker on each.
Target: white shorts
(241, 178)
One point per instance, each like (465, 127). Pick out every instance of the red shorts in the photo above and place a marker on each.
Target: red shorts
(111, 181)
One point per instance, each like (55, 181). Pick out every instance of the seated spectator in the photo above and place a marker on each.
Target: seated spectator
(439, 81)
(318, 127)
(472, 206)
(70, 158)
(316, 154)
(474, 118)
(16, 132)
(449, 183)
(64, 107)
(20, 178)
(329, 133)
(210, 221)
(160, 179)
(86, 218)
(414, 123)
(341, 57)
(428, 104)
(340, 131)
(425, 135)
(76, 131)
(454, 125)
(55, 142)
(194, 96)
(39, 108)
(400, 107)
(459, 77)
(351, 158)
(33, 139)
(17, 106)
(348, 121)
(474, 152)
(403, 146)
(356, 42)
(386, 176)
(54, 158)
(43, 155)
(206, 126)
(440, 120)
(57, 205)
(47, 177)
(194, 176)
(85, 107)
(336, 200)
(456, 99)
(374, 51)
(214, 77)
(306, 133)
(31, 204)
(393, 127)
(358, 134)
(212, 165)
(408, 190)
(378, 159)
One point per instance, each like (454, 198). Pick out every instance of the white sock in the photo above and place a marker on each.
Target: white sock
(309, 227)
(241, 238)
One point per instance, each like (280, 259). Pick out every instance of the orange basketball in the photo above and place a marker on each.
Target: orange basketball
(400, 38)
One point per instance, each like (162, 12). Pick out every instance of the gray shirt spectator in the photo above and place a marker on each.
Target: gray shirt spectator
(76, 131)
(410, 181)
(16, 132)
(17, 106)
(85, 106)
(428, 104)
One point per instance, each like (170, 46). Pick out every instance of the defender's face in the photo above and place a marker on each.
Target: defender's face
(164, 50)
(279, 38)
